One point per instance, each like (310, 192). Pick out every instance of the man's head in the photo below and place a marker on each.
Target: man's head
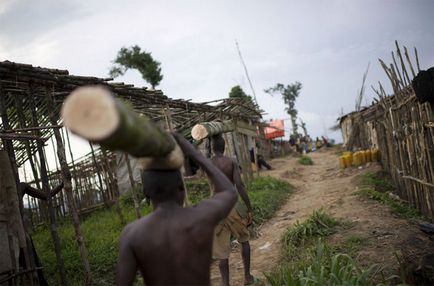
(218, 144)
(163, 185)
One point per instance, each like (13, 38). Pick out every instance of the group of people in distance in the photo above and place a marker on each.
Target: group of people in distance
(175, 245)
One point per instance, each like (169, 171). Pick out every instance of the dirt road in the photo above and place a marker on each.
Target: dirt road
(323, 185)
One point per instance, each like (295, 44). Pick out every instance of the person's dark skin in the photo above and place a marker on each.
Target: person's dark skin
(173, 245)
(36, 193)
(230, 168)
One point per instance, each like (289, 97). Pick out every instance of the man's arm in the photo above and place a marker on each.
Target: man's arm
(56, 190)
(33, 192)
(242, 191)
(127, 266)
(225, 197)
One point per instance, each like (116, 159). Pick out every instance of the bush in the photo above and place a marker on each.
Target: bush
(318, 224)
(322, 267)
(307, 260)
(305, 160)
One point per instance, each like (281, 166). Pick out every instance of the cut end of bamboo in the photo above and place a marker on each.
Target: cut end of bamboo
(199, 132)
(90, 112)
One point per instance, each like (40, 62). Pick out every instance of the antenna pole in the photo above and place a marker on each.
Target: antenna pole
(247, 73)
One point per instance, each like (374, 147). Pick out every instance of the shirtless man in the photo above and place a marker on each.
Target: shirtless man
(173, 245)
(238, 220)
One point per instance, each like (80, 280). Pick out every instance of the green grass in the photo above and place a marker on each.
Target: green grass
(102, 230)
(305, 160)
(267, 195)
(308, 260)
(319, 224)
(376, 186)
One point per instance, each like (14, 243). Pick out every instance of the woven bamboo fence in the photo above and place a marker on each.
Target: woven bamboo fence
(402, 128)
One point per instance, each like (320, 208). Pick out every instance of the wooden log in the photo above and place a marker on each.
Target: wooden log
(94, 114)
(207, 129)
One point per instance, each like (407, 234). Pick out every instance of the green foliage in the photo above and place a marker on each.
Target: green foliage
(323, 267)
(102, 230)
(127, 200)
(198, 190)
(307, 260)
(377, 187)
(238, 92)
(305, 160)
(289, 95)
(318, 224)
(134, 58)
(267, 195)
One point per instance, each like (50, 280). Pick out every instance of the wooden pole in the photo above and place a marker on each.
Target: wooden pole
(207, 129)
(115, 187)
(133, 187)
(24, 242)
(46, 189)
(66, 177)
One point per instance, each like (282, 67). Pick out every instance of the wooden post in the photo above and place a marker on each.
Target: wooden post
(115, 187)
(24, 244)
(133, 187)
(46, 189)
(76, 180)
(66, 177)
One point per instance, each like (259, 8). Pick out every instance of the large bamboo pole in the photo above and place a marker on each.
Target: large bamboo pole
(66, 177)
(95, 115)
(207, 129)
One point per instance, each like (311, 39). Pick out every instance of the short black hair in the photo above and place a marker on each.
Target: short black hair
(218, 144)
(162, 185)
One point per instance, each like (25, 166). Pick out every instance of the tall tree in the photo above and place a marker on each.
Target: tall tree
(134, 58)
(289, 94)
(238, 92)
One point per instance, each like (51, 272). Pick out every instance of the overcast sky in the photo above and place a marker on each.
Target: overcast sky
(326, 45)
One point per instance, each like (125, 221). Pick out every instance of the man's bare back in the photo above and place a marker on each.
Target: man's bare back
(172, 246)
(226, 165)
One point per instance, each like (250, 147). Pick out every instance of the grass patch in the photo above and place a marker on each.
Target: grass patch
(308, 260)
(319, 224)
(267, 195)
(102, 230)
(305, 160)
(377, 187)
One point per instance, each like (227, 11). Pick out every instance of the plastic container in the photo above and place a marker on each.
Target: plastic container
(357, 159)
(342, 162)
(348, 159)
(375, 154)
(368, 155)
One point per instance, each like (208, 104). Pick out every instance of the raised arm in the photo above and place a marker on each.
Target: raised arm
(225, 196)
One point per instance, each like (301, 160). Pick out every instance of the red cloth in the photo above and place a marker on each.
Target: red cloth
(275, 130)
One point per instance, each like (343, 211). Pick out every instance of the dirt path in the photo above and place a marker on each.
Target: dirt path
(323, 185)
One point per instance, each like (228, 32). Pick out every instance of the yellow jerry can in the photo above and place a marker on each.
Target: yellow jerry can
(342, 162)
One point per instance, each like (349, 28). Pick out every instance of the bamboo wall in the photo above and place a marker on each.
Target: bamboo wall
(402, 128)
